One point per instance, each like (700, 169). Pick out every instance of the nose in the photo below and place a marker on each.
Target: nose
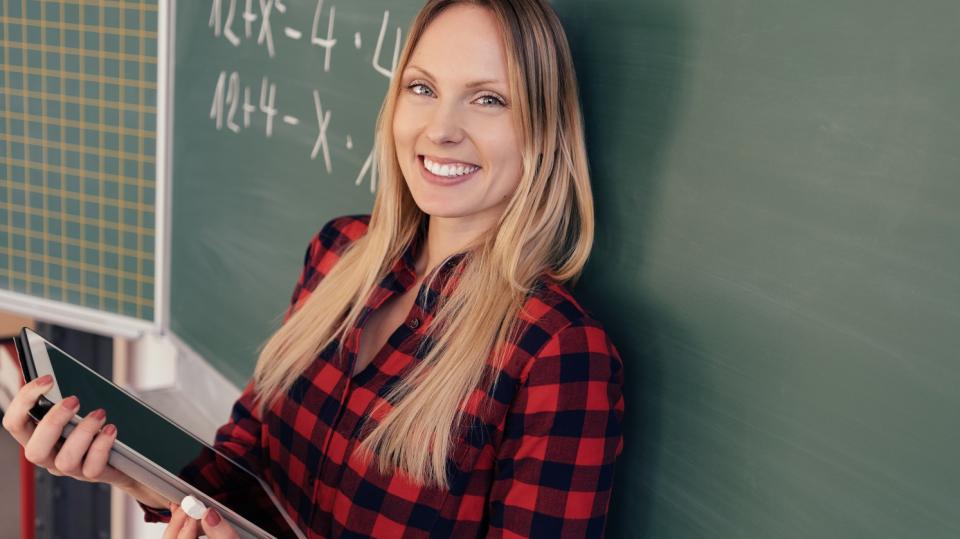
(444, 126)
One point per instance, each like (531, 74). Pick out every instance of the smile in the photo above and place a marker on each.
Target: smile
(446, 173)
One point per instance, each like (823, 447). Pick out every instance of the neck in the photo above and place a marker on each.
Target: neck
(447, 236)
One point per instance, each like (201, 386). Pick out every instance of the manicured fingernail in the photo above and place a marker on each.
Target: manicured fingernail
(45, 380)
(212, 517)
(110, 430)
(72, 402)
(98, 414)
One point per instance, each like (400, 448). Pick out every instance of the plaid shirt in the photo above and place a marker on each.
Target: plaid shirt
(540, 464)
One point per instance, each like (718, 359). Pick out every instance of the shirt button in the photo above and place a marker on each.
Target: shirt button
(414, 324)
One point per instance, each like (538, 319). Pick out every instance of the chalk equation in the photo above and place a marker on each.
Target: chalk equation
(235, 104)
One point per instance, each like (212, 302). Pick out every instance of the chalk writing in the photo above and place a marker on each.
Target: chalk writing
(237, 105)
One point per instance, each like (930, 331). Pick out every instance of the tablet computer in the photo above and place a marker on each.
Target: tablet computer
(151, 448)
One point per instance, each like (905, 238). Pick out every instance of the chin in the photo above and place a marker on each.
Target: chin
(438, 205)
(443, 210)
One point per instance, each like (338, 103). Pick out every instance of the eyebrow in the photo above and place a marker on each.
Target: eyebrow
(473, 84)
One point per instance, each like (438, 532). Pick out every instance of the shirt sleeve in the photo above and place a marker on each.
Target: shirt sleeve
(554, 467)
(240, 438)
(323, 252)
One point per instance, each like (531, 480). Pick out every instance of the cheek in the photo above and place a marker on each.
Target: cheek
(403, 143)
(510, 165)
(502, 147)
(403, 127)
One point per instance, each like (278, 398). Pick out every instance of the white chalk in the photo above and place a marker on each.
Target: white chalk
(193, 507)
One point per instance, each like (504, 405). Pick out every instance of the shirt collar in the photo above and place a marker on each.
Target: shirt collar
(403, 275)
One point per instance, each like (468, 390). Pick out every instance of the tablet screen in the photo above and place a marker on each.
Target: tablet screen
(158, 439)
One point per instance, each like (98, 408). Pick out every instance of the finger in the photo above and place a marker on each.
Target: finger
(16, 420)
(70, 457)
(39, 448)
(215, 527)
(98, 454)
(176, 522)
(51, 469)
(189, 530)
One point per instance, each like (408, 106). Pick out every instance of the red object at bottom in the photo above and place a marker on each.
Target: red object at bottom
(26, 498)
(27, 508)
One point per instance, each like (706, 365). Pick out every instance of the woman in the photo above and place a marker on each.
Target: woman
(460, 390)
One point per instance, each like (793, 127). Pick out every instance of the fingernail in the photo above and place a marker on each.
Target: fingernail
(212, 517)
(98, 414)
(45, 380)
(110, 430)
(72, 402)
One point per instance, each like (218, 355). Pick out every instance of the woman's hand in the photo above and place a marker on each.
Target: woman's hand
(83, 455)
(181, 526)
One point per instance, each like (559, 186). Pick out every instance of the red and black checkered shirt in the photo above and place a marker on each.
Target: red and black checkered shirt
(538, 461)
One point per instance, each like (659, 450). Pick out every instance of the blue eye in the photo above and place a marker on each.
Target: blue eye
(419, 88)
(493, 100)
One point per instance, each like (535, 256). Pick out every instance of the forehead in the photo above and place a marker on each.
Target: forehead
(462, 42)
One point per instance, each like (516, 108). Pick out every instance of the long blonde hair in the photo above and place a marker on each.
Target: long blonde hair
(546, 229)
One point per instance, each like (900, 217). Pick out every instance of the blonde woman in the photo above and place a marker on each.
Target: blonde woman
(434, 375)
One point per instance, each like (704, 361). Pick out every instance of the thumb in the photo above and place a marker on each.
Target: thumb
(215, 527)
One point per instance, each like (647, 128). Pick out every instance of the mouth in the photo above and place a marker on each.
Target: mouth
(445, 171)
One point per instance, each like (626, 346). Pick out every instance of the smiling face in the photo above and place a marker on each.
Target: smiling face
(456, 141)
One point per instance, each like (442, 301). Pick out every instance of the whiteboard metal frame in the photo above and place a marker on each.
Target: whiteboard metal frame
(166, 17)
(74, 316)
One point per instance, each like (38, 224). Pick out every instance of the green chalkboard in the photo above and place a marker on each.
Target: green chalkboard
(78, 93)
(777, 255)
(251, 185)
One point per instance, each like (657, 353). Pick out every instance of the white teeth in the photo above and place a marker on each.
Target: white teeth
(448, 170)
